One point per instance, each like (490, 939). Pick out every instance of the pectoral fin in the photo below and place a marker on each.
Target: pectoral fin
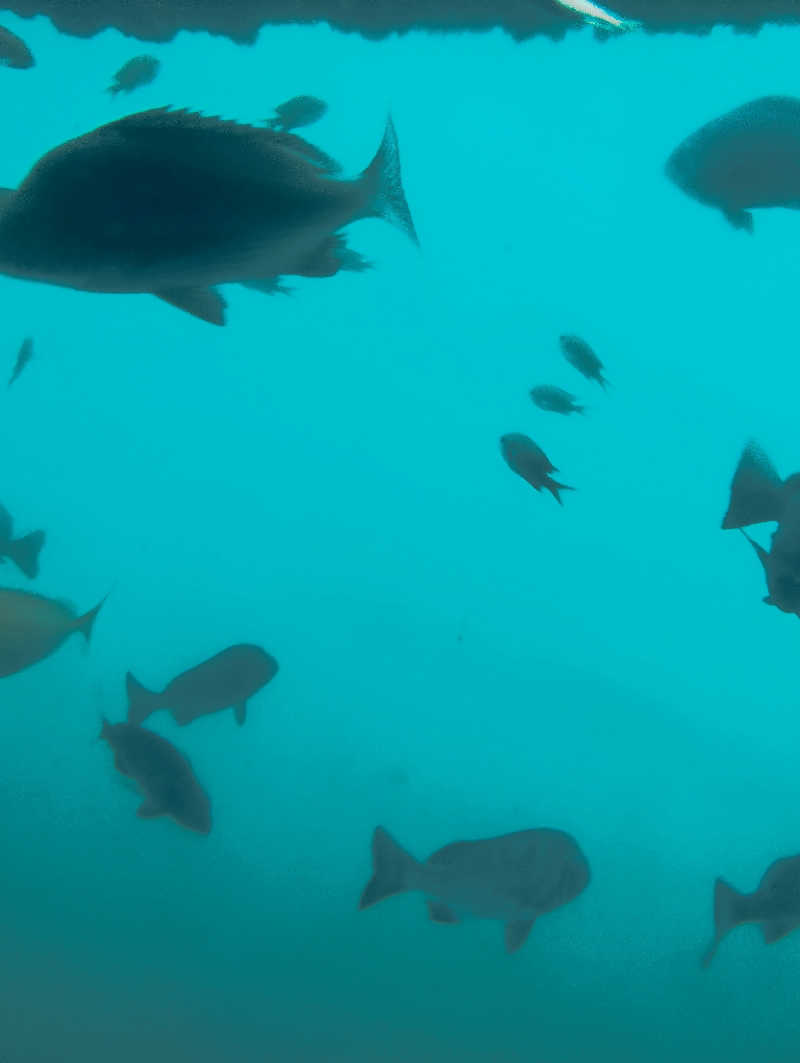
(440, 913)
(205, 303)
(775, 929)
(517, 934)
(240, 712)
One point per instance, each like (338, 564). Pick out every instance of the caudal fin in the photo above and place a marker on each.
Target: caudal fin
(85, 623)
(553, 486)
(728, 907)
(756, 490)
(141, 701)
(383, 186)
(25, 553)
(392, 869)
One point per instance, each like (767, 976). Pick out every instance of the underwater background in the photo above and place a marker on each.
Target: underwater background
(460, 657)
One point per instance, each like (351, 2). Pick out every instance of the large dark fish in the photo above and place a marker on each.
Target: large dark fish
(297, 112)
(14, 52)
(24, 355)
(224, 681)
(775, 905)
(749, 157)
(528, 460)
(172, 203)
(33, 627)
(165, 776)
(514, 878)
(24, 552)
(140, 70)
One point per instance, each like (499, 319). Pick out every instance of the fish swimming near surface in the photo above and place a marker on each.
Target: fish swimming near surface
(775, 905)
(172, 203)
(24, 355)
(224, 681)
(581, 357)
(164, 775)
(529, 461)
(140, 70)
(32, 627)
(598, 16)
(14, 52)
(745, 159)
(514, 878)
(297, 112)
(554, 400)
(24, 552)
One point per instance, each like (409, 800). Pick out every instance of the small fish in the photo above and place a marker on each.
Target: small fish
(164, 775)
(530, 462)
(555, 400)
(745, 159)
(297, 112)
(33, 627)
(595, 15)
(14, 52)
(23, 552)
(775, 905)
(23, 357)
(140, 70)
(224, 681)
(514, 878)
(581, 357)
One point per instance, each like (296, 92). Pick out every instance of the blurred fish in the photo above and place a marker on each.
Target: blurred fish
(297, 112)
(224, 681)
(140, 70)
(530, 462)
(23, 357)
(595, 15)
(172, 203)
(165, 776)
(14, 52)
(581, 357)
(775, 905)
(33, 627)
(555, 400)
(514, 878)
(748, 157)
(23, 552)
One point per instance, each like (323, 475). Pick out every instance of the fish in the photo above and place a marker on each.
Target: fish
(297, 112)
(164, 775)
(172, 203)
(24, 552)
(32, 627)
(14, 52)
(514, 878)
(775, 905)
(140, 70)
(747, 158)
(555, 400)
(23, 357)
(529, 461)
(224, 681)
(581, 357)
(602, 17)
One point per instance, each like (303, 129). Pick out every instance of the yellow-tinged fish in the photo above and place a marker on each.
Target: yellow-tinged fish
(599, 16)
(33, 627)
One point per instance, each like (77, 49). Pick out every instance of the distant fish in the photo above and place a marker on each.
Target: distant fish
(173, 204)
(224, 681)
(23, 552)
(555, 400)
(297, 112)
(775, 905)
(581, 357)
(165, 776)
(595, 15)
(138, 71)
(33, 627)
(530, 462)
(14, 52)
(746, 158)
(514, 878)
(23, 357)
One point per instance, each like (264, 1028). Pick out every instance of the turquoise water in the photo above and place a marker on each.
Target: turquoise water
(460, 657)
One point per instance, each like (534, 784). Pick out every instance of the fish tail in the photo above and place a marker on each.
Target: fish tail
(728, 913)
(85, 623)
(383, 185)
(553, 486)
(24, 552)
(392, 869)
(141, 701)
(757, 493)
(603, 382)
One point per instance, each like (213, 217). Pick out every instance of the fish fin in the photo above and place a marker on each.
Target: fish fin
(331, 256)
(24, 553)
(240, 712)
(775, 929)
(204, 303)
(768, 599)
(85, 623)
(148, 809)
(141, 701)
(392, 869)
(517, 934)
(553, 486)
(761, 554)
(267, 285)
(383, 185)
(727, 915)
(440, 913)
(756, 490)
(5, 195)
(310, 152)
(740, 219)
(601, 380)
(105, 730)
